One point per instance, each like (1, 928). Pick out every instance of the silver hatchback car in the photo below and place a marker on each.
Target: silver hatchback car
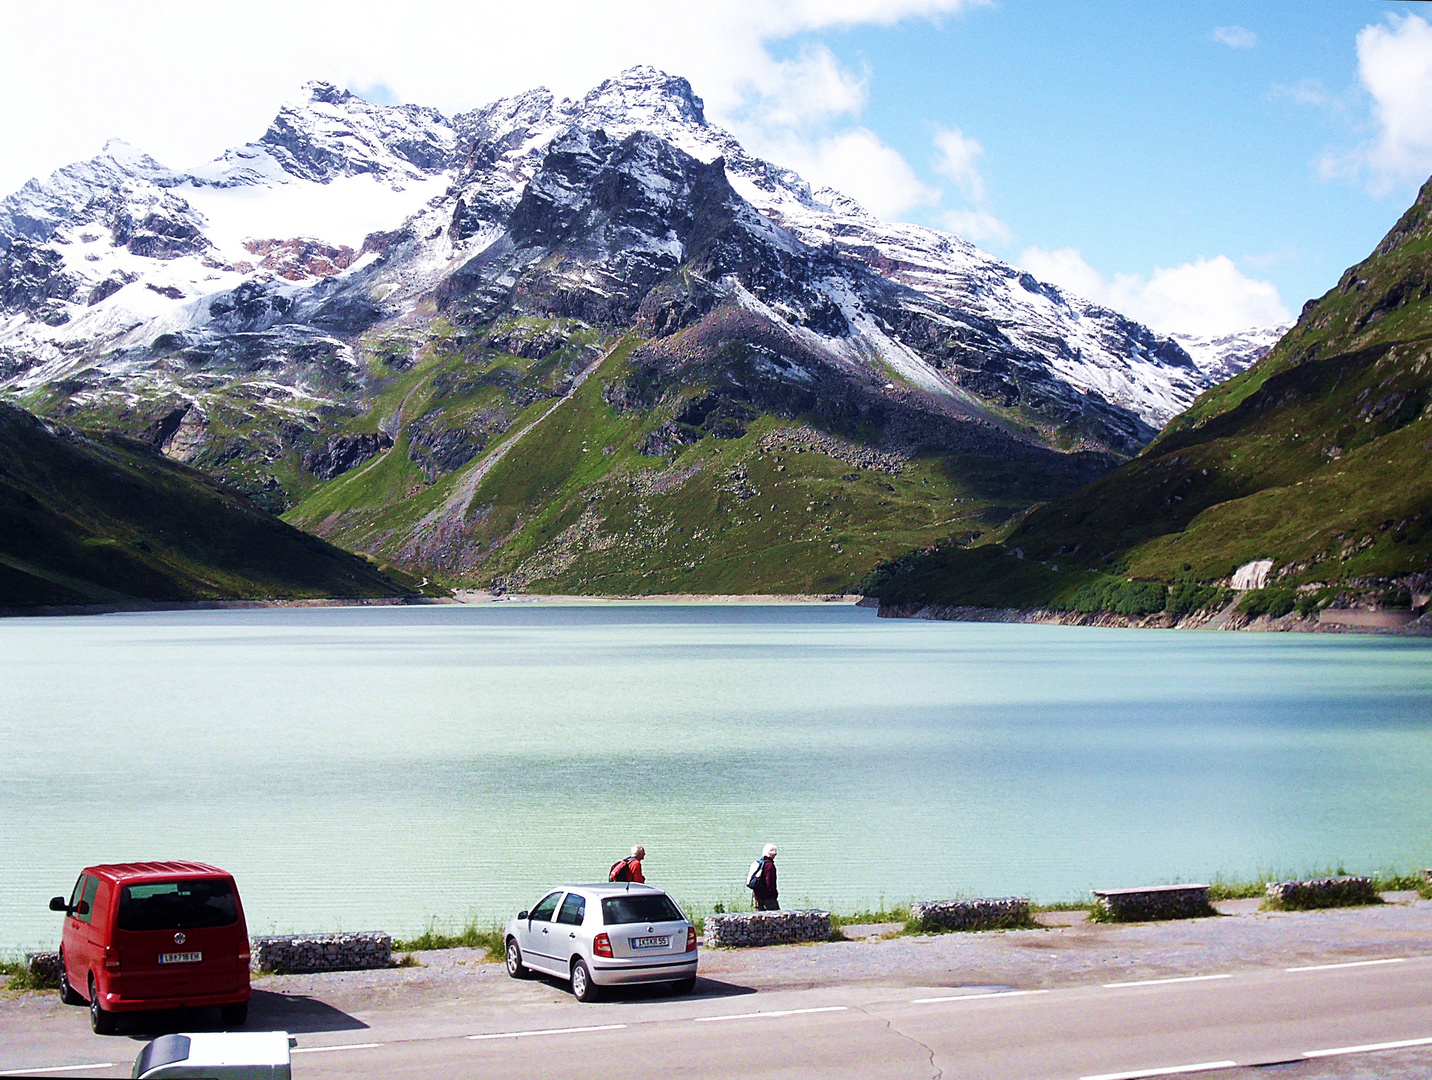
(604, 935)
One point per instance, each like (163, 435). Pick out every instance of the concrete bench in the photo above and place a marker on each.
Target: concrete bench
(743, 929)
(291, 954)
(1153, 902)
(981, 914)
(1323, 892)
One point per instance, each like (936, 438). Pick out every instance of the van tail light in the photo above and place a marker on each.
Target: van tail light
(111, 958)
(245, 956)
(691, 939)
(602, 946)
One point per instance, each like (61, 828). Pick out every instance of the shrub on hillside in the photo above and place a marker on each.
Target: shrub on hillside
(1188, 597)
(1119, 596)
(1274, 602)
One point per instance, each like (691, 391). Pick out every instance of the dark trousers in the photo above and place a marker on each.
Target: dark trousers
(767, 903)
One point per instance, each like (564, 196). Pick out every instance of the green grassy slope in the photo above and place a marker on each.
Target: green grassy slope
(87, 518)
(753, 501)
(1319, 457)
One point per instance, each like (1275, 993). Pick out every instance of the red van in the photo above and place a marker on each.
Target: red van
(156, 935)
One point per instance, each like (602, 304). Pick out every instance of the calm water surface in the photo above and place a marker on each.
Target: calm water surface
(378, 768)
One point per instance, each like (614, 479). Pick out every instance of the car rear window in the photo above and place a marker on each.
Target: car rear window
(177, 905)
(617, 910)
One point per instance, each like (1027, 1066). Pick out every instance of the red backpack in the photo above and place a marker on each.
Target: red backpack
(621, 870)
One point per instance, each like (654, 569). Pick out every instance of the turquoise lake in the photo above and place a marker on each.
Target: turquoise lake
(379, 768)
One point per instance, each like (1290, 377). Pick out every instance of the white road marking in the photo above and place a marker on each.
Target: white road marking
(1165, 982)
(57, 1068)
(547, 1031)
(1202, 1066)
(976, 997)
(776, 1012)
(1353, 963)
(335, 1046)
(1370, 1046)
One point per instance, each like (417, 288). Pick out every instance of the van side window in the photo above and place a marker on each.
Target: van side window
(574, 910)
(543, 911)
(87, 898)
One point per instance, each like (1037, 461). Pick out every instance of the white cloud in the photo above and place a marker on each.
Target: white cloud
(1394, 62)
(1205, 297)
(976, 226)
(183, 81)
(857, 164)
(1303, 92)
(1235, 37)
(956, 159)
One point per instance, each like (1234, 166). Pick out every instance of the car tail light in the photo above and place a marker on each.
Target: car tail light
(691, 939)
(111, 958)
(602, 946)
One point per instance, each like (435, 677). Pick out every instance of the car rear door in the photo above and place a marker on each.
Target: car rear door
(540, 947)
(659, 938)
(179, 939)
(570, 938)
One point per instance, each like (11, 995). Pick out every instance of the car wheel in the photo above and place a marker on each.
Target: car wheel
(515, 967)
(234, 1016)
(67, 992)
(684, 986)
(101, 1021)
(583, 989)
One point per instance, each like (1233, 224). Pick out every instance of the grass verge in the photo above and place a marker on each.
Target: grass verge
(472, 936)
(19, 977)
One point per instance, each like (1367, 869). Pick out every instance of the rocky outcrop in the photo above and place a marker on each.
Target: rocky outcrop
(343, 452)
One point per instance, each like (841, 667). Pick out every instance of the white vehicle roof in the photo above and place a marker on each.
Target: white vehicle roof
(218, 1055)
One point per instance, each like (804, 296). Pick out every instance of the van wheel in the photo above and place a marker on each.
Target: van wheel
(515, 967)
(684, 986)
(67, 992)
(101, 1022)
(234, 1016)
(583, 989)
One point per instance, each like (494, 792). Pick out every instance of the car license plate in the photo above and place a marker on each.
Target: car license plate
(181, 957)
(650, 942)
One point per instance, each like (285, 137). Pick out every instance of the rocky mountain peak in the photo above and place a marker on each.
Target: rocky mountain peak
(644, 96)
(325, 92)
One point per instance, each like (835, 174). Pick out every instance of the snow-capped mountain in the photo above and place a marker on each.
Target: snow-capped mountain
(249, 315)
(1222, 356)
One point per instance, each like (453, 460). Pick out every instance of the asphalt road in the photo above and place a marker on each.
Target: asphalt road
(1323, 1019)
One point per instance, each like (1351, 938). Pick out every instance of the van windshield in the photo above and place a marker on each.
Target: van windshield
(617, 910)
(177, 905)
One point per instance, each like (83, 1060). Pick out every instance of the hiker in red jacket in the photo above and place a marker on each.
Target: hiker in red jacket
(629, 869)
(763, 881)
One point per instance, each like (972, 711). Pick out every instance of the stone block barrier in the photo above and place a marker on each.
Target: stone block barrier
(1152, 902)
(983, 914)
(44, 967)
(293, 954)
(1322, 892)
(746, 928)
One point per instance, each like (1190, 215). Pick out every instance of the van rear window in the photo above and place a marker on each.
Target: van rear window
(617, 910)
(177, 905)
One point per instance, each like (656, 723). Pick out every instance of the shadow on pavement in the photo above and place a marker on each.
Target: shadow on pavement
(294, 1013)
(705, 988)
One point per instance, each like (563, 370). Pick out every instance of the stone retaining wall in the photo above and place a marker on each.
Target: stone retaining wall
(1153, 902)
(982, 914)
(1323, 892)
(294, 953)
(745, 928)
(44, 966)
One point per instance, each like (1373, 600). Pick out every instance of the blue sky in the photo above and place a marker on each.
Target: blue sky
(1201, 166)
(1132, 133)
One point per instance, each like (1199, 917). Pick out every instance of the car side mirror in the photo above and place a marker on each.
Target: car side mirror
(522, 914)
(82, 908)
(57, 903)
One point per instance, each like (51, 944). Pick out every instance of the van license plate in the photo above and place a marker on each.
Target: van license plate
(650, 942)
(181, 957)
